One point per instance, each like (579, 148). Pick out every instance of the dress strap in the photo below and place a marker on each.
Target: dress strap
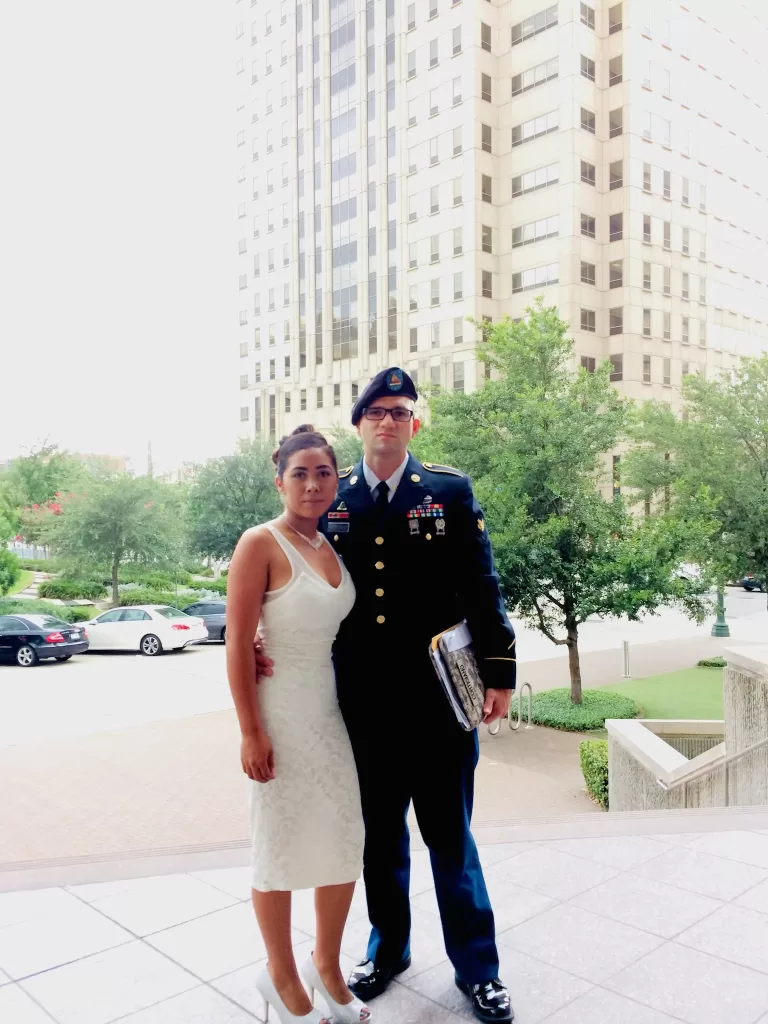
(290, 552)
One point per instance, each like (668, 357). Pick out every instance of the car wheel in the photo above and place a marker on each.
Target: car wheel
(63, 657)
(224, 635)
(150, 645)
(26, 656)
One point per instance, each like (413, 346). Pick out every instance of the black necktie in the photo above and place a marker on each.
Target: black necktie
(382, 497)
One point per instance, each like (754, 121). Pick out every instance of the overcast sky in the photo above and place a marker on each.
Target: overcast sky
(117, 240)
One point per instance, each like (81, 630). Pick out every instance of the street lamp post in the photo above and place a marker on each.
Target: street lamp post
(720, 627)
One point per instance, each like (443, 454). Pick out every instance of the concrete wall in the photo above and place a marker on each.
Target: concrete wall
(745, 700)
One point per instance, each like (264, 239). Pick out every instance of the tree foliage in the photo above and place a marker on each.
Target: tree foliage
(229, 495)
(131, 518)
(716, 454)
(536, 439)
(346, 444)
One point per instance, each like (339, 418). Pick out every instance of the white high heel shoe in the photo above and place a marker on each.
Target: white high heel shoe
(355, 1012)
(271, 997)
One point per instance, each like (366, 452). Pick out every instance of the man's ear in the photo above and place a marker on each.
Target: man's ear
(416, 426)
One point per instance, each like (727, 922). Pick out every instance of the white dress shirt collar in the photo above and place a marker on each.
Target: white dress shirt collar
(373, 481)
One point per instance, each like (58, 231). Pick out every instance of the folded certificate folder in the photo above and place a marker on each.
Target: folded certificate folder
(456, 666)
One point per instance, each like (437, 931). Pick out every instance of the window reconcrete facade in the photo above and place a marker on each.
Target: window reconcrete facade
(403, 168)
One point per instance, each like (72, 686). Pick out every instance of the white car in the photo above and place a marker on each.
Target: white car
(148, 628)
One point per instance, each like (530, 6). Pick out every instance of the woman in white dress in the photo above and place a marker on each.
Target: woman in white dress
(306, 824)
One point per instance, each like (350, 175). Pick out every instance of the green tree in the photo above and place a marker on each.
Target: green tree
(230, 494)
(45, 474)
(125, 518)
(718, 453)
(346, 444)
(536, 439)
(9, 563)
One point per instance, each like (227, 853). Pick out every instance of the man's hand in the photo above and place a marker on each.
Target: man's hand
(263, 663)
(496, 705)
(257, 757)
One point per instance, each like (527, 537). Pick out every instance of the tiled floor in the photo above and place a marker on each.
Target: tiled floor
(613, 930)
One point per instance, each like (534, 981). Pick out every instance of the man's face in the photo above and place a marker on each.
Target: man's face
(387, 437)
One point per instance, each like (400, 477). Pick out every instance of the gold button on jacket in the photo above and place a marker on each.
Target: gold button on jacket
(380, 619)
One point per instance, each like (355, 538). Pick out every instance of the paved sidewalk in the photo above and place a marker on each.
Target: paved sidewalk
(609, 929)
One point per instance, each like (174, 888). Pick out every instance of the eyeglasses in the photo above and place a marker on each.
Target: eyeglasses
(377, 413)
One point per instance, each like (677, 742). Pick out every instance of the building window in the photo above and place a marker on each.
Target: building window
(434, 292)
(616, 170)
(435, 334)
(588, 226)
(457, 145)
(587, 272)
(243, 381)
(686, 286)
(617, 369)
(457, 41)
(616, 122)
(538, 75)
(646, 277)
(319, 398)
(487, 284)
(537, 277)
(615, 70)
(303, 399)
(534, 25)
(686, 192)
(485, 36)
(532, 180)
(458, 286)
(587, 16)
(411, 12)
(616, 227)
(433, 53)
(458, 197)
(588, 320)
(647, 229)
(667, 234)
(587, 68)
(486, 234)
(646, 323)
(686, 329)
(413, 339)
(588, 120)
(646, 177)
(456, 91)
(458, 330)
(413, 300)
(702, 333)
(458, 241)
(434, 249)
(616, 320)
(587, 173)
(667, 281)
(667, 185)
(646, 369)
(588, 363)
(485, 138)
(244, 413)
(535, 231)
(617, 469)
(536, 127)
(667, 371)
(614, 19)
(458, 376)
(485, 88)
(485, 188)
(667, 326)
(616, 274)
(434, 199)
(686, 241)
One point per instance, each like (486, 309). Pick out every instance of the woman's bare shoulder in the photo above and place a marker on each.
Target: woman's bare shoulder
(258, 539)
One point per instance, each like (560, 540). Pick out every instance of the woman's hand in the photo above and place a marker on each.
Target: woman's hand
(257, 757)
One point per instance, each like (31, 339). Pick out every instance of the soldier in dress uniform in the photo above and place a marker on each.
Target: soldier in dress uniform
(413, 538)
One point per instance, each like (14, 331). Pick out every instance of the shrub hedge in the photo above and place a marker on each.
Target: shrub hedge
(594, 767)
(9, 605)
(145, 596)
(712, 663)
(40, 564)
(72, 590)
(554, 708)
(216, 586)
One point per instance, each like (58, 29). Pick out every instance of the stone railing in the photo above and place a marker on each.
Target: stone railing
(658, 764)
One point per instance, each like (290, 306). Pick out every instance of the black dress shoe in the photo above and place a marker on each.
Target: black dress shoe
(368, 981)
(490, 1001)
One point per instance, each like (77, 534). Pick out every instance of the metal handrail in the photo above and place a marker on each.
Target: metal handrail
(724, 763)
(514, 728)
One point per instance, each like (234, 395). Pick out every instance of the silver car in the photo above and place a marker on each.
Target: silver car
(214, 614)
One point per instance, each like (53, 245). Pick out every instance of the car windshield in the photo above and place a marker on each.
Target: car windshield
(171, 613)
(47, 621)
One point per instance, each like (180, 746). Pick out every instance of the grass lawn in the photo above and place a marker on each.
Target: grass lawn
(690, 693)
(22, 583)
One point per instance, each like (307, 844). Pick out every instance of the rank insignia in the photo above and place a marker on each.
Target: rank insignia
(440, 527)
(341, 507)
(413, 525)
(338, 515)
(481, 525)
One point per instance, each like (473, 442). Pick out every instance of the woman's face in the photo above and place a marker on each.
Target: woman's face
(309, 483)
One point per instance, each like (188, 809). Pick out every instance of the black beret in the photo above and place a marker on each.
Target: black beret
(392, 381)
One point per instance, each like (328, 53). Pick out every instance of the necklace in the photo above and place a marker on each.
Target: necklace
(315, 544)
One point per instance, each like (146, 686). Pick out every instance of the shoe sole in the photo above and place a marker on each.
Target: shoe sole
(486, 1020)
(365, 996)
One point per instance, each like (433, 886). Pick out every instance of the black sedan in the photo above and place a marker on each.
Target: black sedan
(28, 639)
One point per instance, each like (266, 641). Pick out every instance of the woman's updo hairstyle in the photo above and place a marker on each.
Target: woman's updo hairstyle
(304, 436)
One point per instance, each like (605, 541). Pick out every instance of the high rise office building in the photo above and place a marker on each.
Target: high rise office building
(405, 167)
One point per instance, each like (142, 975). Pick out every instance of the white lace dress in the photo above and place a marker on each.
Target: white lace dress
(306, 825)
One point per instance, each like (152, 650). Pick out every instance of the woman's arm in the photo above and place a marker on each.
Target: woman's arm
(247, 582)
